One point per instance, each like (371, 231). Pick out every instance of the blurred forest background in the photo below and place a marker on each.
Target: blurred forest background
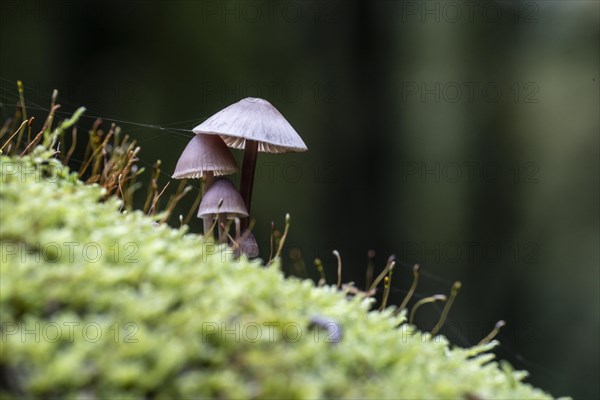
(462, 136)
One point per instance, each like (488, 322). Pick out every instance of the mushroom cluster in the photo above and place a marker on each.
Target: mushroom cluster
(254, 125)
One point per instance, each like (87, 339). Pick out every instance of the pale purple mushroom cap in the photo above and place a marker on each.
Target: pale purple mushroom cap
(205, 153)
(253, 119)
(232, 206)
(249, 246)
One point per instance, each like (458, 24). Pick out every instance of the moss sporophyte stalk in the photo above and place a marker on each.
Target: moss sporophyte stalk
(102, 300)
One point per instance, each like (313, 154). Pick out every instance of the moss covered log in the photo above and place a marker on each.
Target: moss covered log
(97, 303)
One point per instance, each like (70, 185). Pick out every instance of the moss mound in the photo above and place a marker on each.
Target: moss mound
(96, 303)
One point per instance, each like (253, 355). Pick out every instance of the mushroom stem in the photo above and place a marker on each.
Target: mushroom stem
(206, 182)
(237, 229)
(222, 223)
(247, 179)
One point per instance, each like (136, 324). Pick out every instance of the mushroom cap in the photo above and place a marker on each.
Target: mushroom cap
(233, 204)
(249, 246)
(205, 153)
(253, 119)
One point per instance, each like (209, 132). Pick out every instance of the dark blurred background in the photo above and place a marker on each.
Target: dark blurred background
(462, 136)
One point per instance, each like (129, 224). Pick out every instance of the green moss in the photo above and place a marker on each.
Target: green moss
(103, 304)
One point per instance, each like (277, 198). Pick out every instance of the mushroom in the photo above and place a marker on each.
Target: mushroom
(204, 157)
(222, 200)
(248, 245)
(254, 125)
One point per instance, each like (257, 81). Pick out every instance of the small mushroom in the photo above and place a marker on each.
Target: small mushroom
(224, 200)
(248, 245)
(254, 125)
(205, 156)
